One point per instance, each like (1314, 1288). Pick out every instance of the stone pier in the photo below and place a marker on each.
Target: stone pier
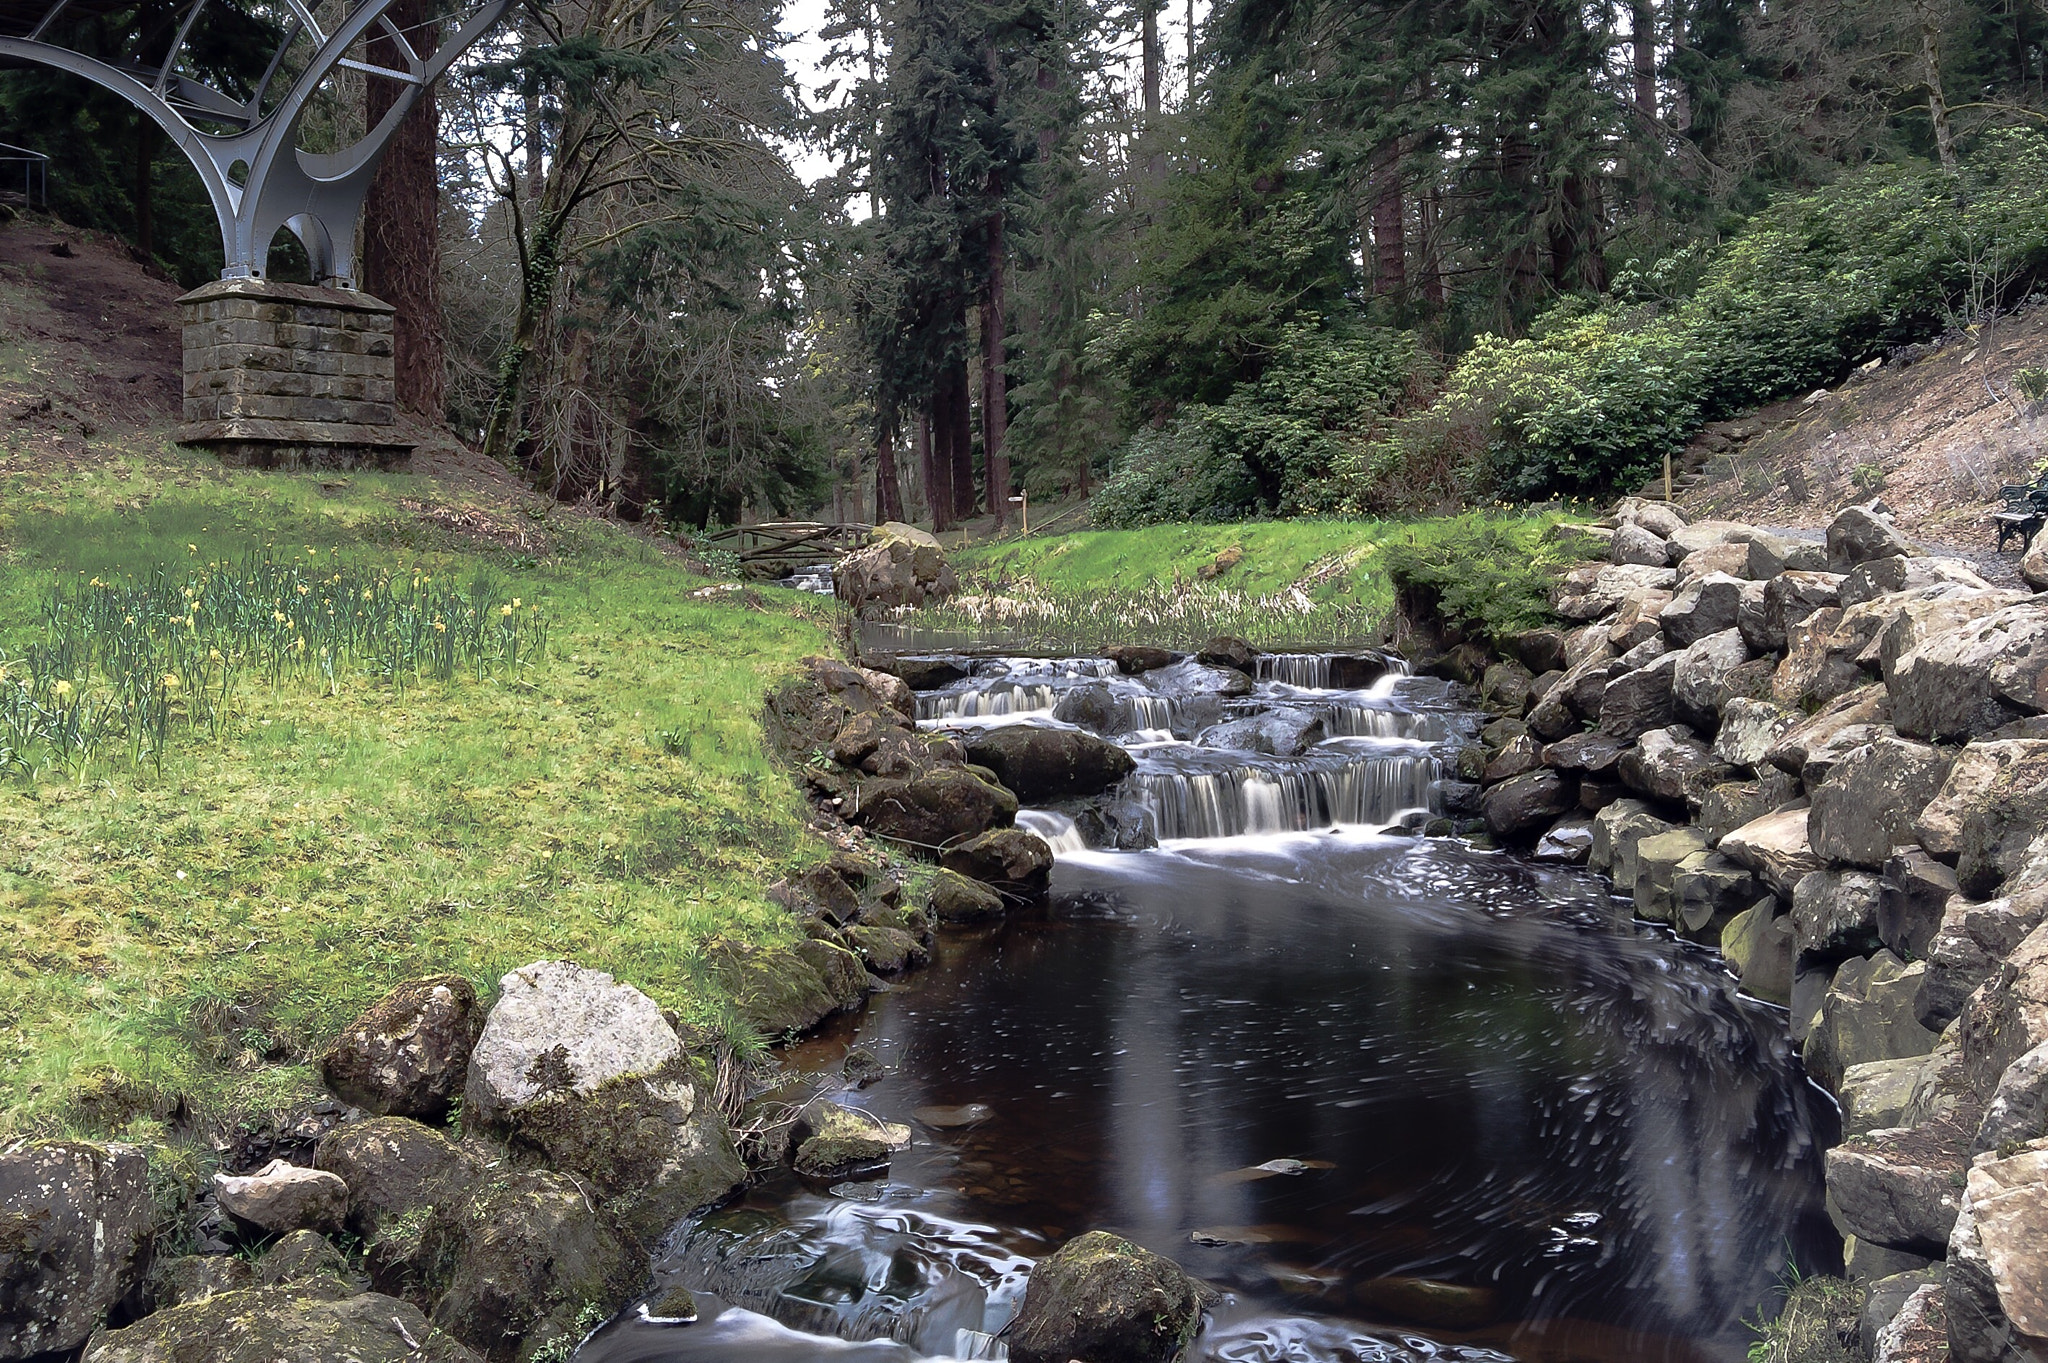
(290, 376)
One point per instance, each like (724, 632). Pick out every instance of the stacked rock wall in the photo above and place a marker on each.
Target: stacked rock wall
(1830, 759)
(290, 376)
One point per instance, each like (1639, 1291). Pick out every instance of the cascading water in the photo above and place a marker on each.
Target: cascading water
(1397, 1098)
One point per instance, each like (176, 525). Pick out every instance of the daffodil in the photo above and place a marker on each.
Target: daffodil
(440, 628)
(171, 682)
(504, 610)
(191, 548)
(62, 688)
(304, 590)
(515, 603)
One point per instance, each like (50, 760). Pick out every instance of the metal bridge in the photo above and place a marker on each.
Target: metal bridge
(243, 139)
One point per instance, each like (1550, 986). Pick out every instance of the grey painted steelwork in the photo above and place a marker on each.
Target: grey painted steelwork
(254, 171)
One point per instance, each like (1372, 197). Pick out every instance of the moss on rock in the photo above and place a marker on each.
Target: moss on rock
(1102, 1299)
(316, 1321)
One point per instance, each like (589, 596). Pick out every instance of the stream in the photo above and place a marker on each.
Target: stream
(1395, 1097)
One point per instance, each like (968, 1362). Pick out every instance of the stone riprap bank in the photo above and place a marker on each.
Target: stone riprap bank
(1830, 760)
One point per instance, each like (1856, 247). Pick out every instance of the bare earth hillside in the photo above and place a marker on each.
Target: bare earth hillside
(1934, 431)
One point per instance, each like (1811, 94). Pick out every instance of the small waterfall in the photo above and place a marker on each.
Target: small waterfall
(999, 700)
(1221, 803)
(1308, 671)
(1377, 721)
(1058, 831)
(1150, 712)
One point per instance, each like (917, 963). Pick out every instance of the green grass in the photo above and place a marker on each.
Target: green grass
(1274, 582)
(199, 934)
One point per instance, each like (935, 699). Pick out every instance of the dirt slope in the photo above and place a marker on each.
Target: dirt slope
(1934, 431)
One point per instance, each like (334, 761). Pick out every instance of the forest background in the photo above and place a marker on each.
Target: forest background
(1336, 257)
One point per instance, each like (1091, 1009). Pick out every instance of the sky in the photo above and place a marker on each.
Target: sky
(801, 19)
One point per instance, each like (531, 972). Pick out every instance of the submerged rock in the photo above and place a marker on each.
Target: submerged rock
(1106, 1300)
(953, 898)
(837, 1142)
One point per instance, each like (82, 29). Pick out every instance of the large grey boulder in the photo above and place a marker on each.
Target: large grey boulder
(1636, 623)
(408, 1054)
(1699, 682)
(314, 1320)
(2018, 1110)
(1657, 860)
(903, 567)
(1986, 774)
(586, 1072)
(1776, 847)
(1757, 944)
(1771, 555)
(1919, 616)
(1790, 599)
(1039, 763)
(1192, 678)
(1899, 573)
(1102, 1298)
(1859, 534)
(1834, 915)
(1750, 729)
(1875, 1093)
(2008, 1015)
(1525, 805)
(1618, 829)
(1973, 679)
(1636, 702)
(1915, 896)
(282, 1197)
(1869, 802)
(1728, 805)
(1867, 1014)
(77, 1228)
(1592, 753)
(1659, 518)
(1897, 1188)
(1636, 544)
(1973, 938)
(1706, 605)
(1997, 1278)
(1673, 766)
(1699, 535)
(1591, 591)
(1865, 706)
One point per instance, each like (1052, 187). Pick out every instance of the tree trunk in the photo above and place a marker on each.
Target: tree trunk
(1643, 49)
(938, 482)
(995, 401)
(1389, 221)
(536, 296)
(1937, 99)
(888, 495)
(1154, 58)
(401, 221)
(961, 419)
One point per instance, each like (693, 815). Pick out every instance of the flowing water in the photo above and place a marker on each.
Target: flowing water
(1397, 1098)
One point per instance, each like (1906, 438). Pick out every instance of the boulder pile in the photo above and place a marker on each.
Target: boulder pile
(1830, 759)
(900, 567)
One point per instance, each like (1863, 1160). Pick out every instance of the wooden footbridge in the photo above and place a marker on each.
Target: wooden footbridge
(778, 548)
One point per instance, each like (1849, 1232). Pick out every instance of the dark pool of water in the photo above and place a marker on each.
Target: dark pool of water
(1513, 1089)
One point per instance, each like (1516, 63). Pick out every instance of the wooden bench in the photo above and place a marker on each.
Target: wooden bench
(2024, 513)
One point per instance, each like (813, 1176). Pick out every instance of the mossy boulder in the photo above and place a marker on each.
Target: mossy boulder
(525, 1262)
(1016, 864)
(77, 1228)
(320, 1320)
(837, 1142)
(953, 898)
(786, 989)
(408, 1054)
(1102, 1299)
(932, 810)
(397, 1172)
(586, 1074)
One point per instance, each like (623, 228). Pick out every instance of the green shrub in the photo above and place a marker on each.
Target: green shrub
(1272, 446)
(1490, 578)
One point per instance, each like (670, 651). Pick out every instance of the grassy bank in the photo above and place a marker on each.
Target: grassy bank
(198, 933)
(1273, 582)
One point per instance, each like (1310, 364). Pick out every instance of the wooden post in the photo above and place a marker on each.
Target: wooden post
(1667, 477)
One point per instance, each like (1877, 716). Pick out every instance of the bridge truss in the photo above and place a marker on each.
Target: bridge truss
(242, 136)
